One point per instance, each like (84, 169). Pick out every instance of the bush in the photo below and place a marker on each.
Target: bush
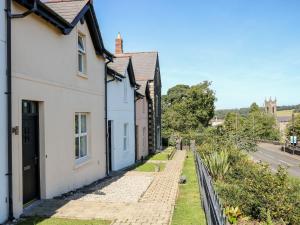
(254, 188)
(257, 191)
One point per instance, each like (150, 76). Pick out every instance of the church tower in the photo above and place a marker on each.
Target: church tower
(271, 106)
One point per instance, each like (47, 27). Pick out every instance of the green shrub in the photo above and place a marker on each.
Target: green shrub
(217, 164)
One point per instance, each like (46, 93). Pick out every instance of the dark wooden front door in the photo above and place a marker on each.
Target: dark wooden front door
(30, 144)
(110, 145)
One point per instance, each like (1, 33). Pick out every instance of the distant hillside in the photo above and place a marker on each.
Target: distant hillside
(221, 113)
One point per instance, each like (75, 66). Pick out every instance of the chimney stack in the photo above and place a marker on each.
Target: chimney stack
(119, 45)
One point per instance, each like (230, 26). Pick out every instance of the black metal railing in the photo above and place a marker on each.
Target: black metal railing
(210, 200)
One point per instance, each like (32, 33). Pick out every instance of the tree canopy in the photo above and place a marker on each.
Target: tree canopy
(257, 124)
(187, 109)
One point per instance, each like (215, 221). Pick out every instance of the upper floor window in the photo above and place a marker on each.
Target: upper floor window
(81, 54)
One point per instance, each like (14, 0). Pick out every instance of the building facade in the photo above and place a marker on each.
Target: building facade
(146, 68)
(142, 104)
(58, 100)
(121, 114)
(3, 119)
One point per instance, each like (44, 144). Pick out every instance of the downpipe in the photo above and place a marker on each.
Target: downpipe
(9, 108)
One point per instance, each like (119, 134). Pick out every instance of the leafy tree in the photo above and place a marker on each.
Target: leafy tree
(296, 126)
(254, 108)
(257, 124)
(187, 109)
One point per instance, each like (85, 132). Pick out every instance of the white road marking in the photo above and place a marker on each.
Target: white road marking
(291, 165)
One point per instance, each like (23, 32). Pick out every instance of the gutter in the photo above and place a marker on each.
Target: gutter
(9, 108)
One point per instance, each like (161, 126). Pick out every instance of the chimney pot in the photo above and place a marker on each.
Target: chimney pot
(119, 45)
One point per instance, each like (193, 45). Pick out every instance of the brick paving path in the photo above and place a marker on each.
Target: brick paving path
(155, 207)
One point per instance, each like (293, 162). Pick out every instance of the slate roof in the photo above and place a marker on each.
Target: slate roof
(120, 64)
(144, 65)
(143, 87)
(67, 9)
(65, 14)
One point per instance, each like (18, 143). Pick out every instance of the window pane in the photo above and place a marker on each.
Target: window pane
(125, 143)
(83, 124)
(80, 44)
(125, 129)
(76, 124)
(77, 148)
(83, 146)
(80, 63)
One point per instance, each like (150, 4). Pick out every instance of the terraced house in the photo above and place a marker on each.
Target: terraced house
(146, 69)
(121, 90)
(58, 99)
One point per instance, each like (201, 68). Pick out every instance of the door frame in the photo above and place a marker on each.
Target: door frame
(38, 141)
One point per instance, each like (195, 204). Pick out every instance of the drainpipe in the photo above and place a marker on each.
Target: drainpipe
(135, 130)
(106, 144)
(9, 108)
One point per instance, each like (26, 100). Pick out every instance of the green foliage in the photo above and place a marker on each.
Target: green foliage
(232, 213)
(221, 113)
(296, 126)
(217, 164)
(187, 109)
(256, 124)
(254, 108)
(253, 187)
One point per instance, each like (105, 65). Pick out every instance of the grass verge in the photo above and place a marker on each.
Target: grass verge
(162, 156)
(57, 221)
(188, 210)
(150, 167)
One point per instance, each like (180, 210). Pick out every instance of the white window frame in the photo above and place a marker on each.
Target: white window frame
(82, 53)
(79, 135)
(125, 136)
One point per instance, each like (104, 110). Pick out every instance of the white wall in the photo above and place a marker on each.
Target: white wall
(121, 112)
(142, 122)
(3, 119)
(45, 69)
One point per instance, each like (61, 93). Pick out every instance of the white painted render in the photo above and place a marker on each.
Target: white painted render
(142, 127)
(121, 111)
(3, 118)
(45, 69)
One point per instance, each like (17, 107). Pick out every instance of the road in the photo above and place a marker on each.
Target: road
(272, 155)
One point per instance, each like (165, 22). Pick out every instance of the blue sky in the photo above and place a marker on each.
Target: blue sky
(249, 49)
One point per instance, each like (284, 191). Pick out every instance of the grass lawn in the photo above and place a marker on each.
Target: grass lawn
(150, 167)
(286, 113)
(162, 156)
(188, 210)
(56, 221)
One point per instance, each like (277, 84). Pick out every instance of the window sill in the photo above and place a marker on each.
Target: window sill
(82, 162)
(82, 75)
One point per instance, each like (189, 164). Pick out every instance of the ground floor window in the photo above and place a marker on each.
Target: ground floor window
(125, 137)
(81, 135)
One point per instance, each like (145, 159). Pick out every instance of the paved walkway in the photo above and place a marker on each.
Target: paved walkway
(153, 207)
